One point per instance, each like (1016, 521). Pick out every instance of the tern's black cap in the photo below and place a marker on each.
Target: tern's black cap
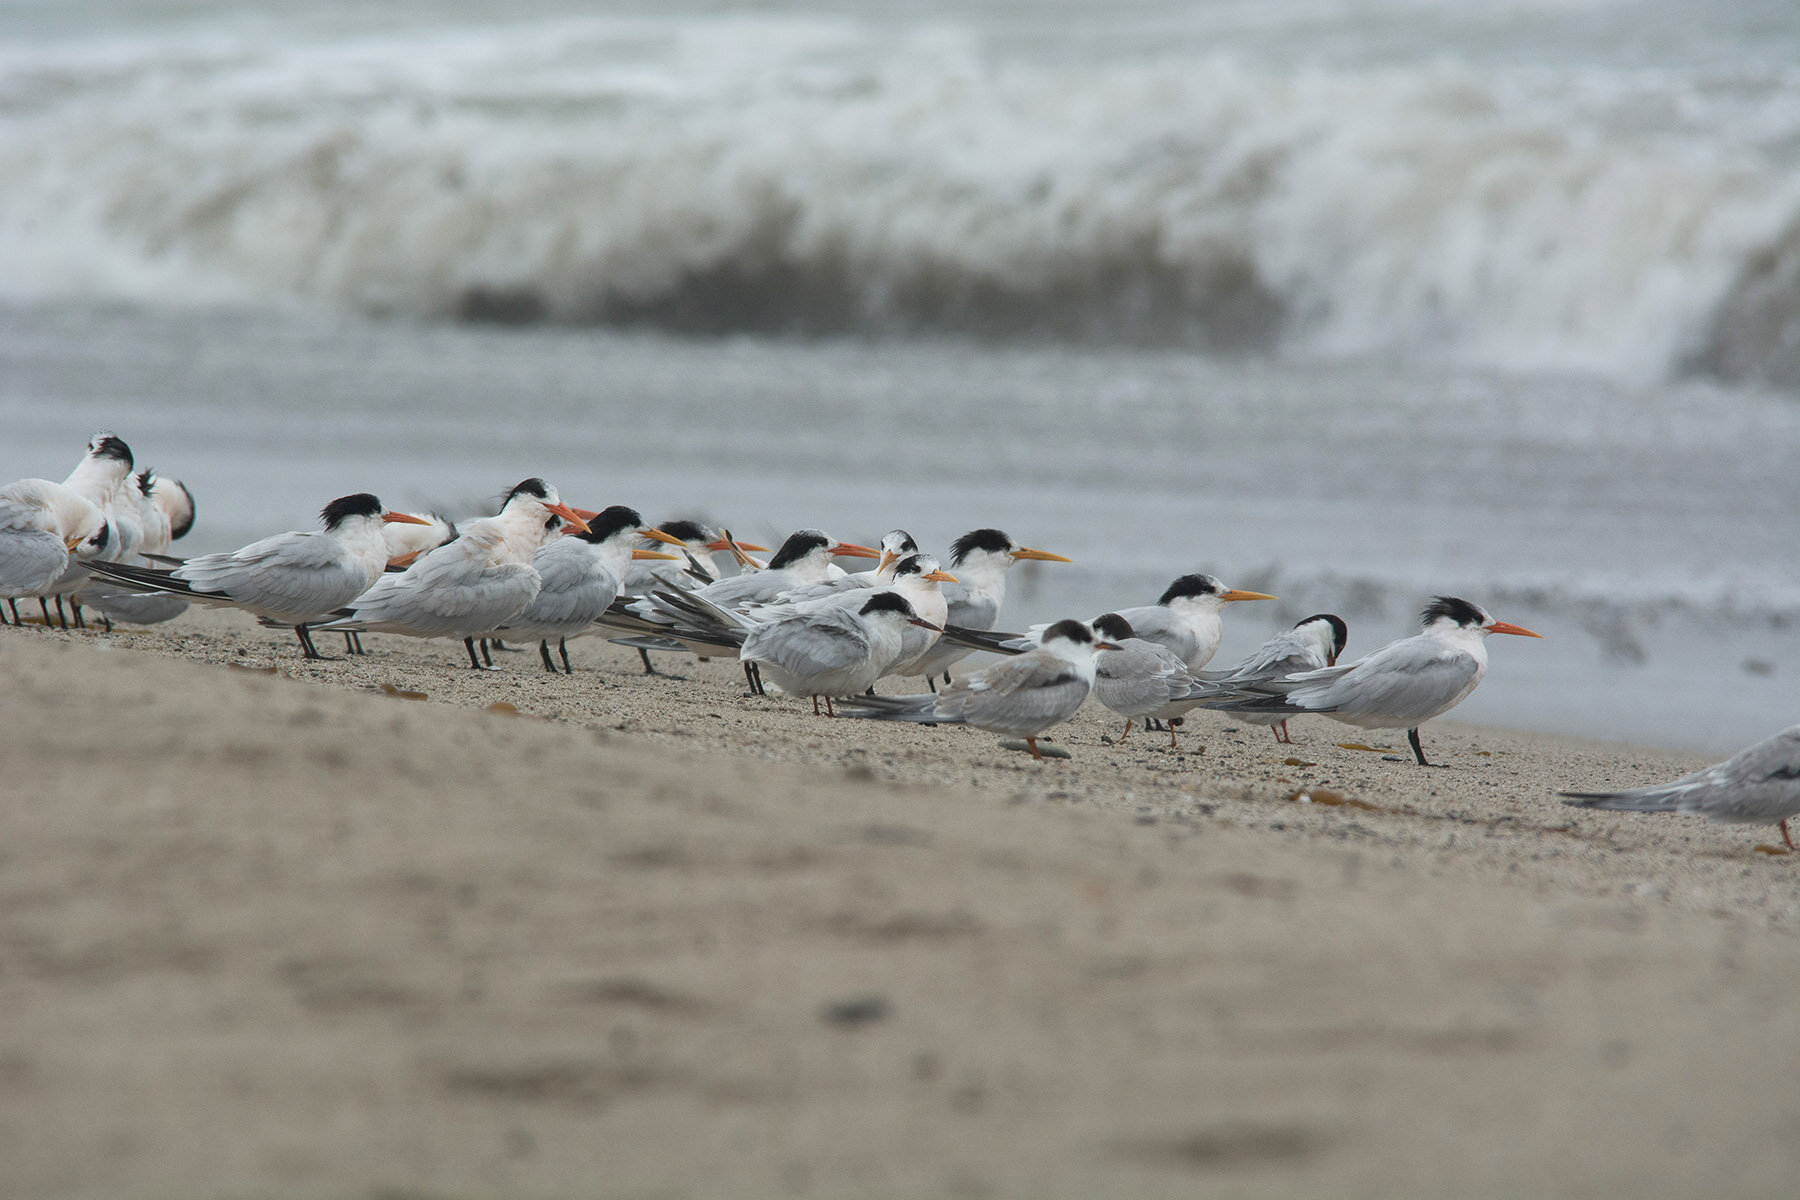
(1073, 631)
(799, 544)
(1197, 584)
(979, 539)
(107, 445)
(887, 602)
(362, 504)
(1113, 627)
(1340, 632)
(1460, 611)
(611, 522)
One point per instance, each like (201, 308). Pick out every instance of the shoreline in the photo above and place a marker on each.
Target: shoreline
(650, 936)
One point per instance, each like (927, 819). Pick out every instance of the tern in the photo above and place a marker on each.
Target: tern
(294, 578)
(469, 587)
(979, 559)
(97, 478)
(1314, 642)
(832, 650)
(1400, 686)
(1757, 785)
(1187, 617)
(896, 544)
(581, 575)
(804, 558)
(694, 566)
(1139, 678)
(44, 526)
(1021, 696)
(144, 537)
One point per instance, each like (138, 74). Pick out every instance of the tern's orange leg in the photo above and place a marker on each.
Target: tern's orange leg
(1785, 837)
(1032, 742)
(829, 711)
(1126, 734)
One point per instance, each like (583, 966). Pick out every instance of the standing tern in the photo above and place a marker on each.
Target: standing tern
(979, 559)
(1314, 642)
(1140, 678)
(97, 478)
(43, 527)
(292, 578)
(1757, 785)
(1400, 686)
(581, 575)
(804, 558)
(1022, 696)
(694, 566)
(833, 650)
(469, 587)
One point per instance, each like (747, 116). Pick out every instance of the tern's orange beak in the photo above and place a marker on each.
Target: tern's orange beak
(585, 514)
(852, 550)
(1107, 646)
(1503, 627)
(888, 559)
(722, 544)
(1235, 594)
(570, 515)
(1039, 555)
(655, 554)
(400, 518)
(940, 576)
(924, 624)
(657, 535)
(404, 560)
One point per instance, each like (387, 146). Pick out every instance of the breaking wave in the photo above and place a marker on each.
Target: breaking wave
(806, 177)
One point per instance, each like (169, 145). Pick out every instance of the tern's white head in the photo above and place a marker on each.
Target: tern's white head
(1074, 642)
(406, 540)
(1201, 592)
(534, 505)
(613, 530)
(981, 557)
(896, 544)
(172, 498)
(891, 609)
(1327, 633)
(811, 551)
(100, 472)
(1112, 627)
(1448, 616)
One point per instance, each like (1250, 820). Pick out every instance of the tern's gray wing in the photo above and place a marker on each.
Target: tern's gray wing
(449, 592)
(1140, 677)
(1758, 785)
(977, 612)
(574, 590)
(30, 559)
(810, 645)
(1021, 695)
(290, 576)
(1410, 681)
(1286, 653)
(1158, 623)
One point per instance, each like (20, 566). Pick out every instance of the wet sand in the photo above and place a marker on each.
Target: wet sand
(267, 930)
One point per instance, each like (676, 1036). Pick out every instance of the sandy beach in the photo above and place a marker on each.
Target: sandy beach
(272, 927)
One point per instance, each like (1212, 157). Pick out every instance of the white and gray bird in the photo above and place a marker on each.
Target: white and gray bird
(293, 579)
(163, 507)
(580, 575)
(1313, 643)
(44, 526)
(1758, 785)
(1400, 686)
(803, 559)
(1021, 696)
(1188, 618)
(914, 576)
(980, 560)
(832, 650)
(467, 588)
(97, 478)
(1138, 678)
(896, 544)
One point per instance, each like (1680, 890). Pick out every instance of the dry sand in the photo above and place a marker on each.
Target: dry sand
(279, 934)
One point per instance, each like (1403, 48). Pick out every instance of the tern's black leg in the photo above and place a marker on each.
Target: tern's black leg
(754, 675)
(108, 622)
(562, 648)
(353, 642)
(4, 621)
(75, 607)
(306, 644)
(1412, 735)
(931, 682)
(45, 605)
(14, 604)
(486, 657)
(544, 649)
(645, 655)
(62, 618)
(946, 677)
(469, 644)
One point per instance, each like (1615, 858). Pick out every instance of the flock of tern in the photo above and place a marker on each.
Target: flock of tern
(540, 570)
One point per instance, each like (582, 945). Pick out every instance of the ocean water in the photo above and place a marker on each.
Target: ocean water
(1351, 303)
